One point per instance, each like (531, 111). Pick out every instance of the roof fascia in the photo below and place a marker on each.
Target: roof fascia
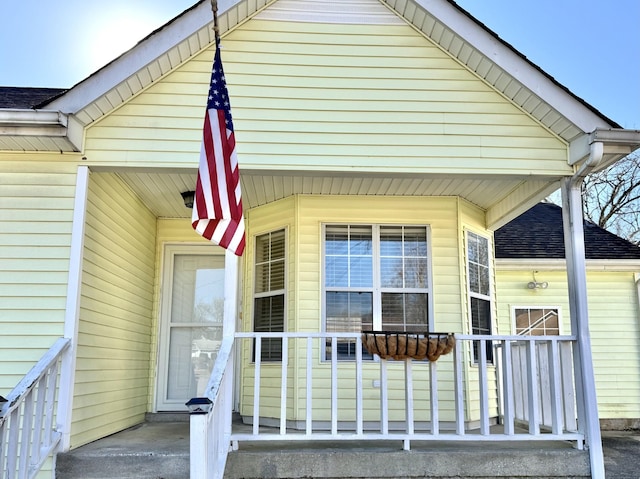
(515, 64)
(44, 123)
(146, 51)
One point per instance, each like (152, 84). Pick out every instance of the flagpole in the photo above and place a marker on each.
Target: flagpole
(216, 28)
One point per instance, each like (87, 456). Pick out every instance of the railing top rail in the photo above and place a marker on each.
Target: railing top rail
(215, 380)
(463, 337)
(513, 337)
(31, 378)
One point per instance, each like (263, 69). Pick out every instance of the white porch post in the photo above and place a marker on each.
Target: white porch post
(72, 309)
(588, 419)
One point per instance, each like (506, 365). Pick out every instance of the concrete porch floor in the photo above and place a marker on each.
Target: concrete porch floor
(166, 442)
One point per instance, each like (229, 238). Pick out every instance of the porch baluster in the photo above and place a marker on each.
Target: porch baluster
(334, 385)
(532, 389)
(384, 398)
(508, 417)
(433, 399)
(283, 386)
(408, 397)
(309, 418)
(484, 388)
(256, 385)
(459, 391)
(359, 413)
(554, 383)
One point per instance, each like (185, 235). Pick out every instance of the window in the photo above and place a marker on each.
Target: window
(376, 278)
(269, 301)
(536, 321)
(479, 290)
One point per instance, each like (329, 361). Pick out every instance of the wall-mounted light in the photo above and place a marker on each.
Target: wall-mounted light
(535, 284)
(187, 197)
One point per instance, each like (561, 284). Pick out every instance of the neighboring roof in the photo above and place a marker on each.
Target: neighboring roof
(22, 98)
(538, 234)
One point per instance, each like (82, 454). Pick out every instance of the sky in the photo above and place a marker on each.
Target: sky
(591, 47)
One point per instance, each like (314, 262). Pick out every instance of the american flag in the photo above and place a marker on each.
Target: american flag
(217, 206)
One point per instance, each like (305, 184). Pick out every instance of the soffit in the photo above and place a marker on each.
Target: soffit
(161, 192)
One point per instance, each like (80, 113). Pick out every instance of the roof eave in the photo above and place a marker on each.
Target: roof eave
(506, 57)
(26, 123)
(135, 59)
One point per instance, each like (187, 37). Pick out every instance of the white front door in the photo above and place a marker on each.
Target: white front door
(190, 322)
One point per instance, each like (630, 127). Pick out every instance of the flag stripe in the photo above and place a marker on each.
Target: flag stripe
(217, 210)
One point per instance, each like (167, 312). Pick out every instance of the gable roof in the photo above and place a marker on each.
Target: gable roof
(538, 234)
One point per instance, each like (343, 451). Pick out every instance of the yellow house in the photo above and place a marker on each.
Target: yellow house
(381, 143)
(531, 298)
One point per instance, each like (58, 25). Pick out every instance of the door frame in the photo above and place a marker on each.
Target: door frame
(165, 291)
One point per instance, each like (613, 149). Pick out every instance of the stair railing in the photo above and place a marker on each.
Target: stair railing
(28, 432)
(210, 419)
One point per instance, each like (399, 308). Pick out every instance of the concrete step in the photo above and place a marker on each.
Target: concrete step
(517, 459)
(159, 449)
(152, 450)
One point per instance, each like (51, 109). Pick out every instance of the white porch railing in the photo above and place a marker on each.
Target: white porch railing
(210, 431)
(480, 392)
(27, 420)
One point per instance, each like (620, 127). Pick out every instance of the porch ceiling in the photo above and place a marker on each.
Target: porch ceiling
(161, 192)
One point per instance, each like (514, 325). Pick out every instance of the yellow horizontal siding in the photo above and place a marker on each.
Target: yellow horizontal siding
(36, 214)
(114, 332)
(613, 324)
(304, 216)
(333, 96)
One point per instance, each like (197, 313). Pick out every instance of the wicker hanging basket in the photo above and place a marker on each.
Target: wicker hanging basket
(394, 345)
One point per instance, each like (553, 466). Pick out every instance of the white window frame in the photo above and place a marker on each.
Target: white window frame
(272, 293)
(471, 294)
(377, 290)
(530, 307)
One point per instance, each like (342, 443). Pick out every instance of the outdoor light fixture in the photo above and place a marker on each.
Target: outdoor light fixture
(535, 284)
(187, 197)
(199, 405)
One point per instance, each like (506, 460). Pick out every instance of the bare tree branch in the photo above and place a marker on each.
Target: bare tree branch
(612, 198)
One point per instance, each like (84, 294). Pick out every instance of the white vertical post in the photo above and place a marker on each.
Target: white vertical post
(433, 398)
(283, 386)
(532, 389)
(384, 398)
(72, 308)
(507, 381)
(555, 389)
(408, 396)
(230, 294)
(199, 449)
(484, 388)
(457, 373)
(309, 419)
(256, 385)
(334, 385)
(588, 419)
(359, 412)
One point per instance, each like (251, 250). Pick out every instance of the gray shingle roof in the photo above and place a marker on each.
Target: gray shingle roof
(538, 233)
(26, 97)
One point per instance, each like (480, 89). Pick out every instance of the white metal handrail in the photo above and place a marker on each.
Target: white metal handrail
(471, 381)
(210, 431)
(474, 382)
(27, 420)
